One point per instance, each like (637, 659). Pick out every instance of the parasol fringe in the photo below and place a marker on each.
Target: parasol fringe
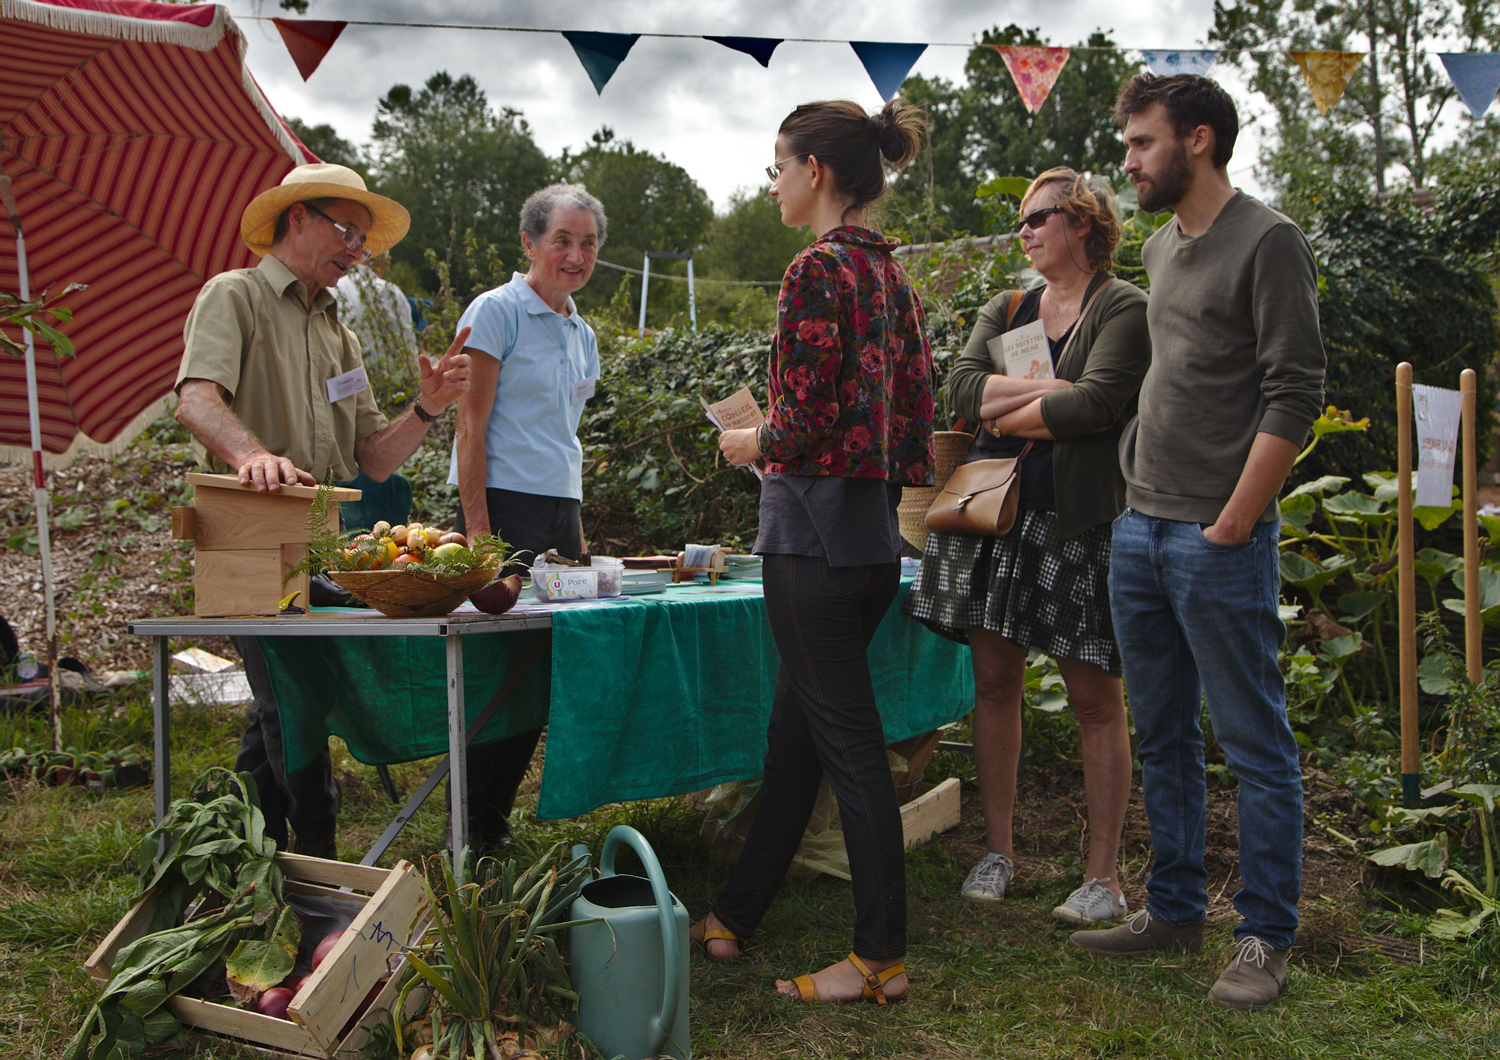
(263, 107)
(84, 446)
(120, 27)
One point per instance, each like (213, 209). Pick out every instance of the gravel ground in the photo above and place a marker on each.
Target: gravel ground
(112, 554)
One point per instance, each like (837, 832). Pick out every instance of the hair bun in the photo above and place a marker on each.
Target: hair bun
(899, 126)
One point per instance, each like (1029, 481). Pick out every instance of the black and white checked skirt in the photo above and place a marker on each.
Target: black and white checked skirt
(1032, 589)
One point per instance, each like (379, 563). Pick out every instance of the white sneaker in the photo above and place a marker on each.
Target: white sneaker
(1091, 903)
(986, 881)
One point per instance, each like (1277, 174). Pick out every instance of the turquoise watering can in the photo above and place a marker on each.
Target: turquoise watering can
(630, 967)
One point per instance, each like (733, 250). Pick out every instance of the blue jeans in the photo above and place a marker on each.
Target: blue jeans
(1194, 617)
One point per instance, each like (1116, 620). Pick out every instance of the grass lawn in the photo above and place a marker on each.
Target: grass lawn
(985, 981)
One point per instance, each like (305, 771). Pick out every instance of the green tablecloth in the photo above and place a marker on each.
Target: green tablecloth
(653, 696)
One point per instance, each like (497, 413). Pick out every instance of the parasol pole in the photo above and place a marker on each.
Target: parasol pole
(1473, 632)
(39, 485)
(1406, 595)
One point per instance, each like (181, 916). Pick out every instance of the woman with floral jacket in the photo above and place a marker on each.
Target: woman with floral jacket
(849, 423)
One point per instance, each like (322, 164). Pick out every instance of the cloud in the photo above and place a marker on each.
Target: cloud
(711, 110)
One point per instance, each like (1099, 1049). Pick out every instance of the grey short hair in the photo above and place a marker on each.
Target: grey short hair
(536, 211)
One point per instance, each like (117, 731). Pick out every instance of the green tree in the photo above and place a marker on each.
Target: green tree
(652, 204)
(325, 142)
(982, 129)
(748, 241)
(456, 164)
(1389, 114)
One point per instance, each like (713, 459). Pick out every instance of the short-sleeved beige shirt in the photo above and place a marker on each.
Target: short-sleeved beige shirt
(251, 331)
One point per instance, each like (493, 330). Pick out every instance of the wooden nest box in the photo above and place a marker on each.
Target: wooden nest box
(245, 542)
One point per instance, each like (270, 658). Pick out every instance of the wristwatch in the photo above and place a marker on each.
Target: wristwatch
(423, 414)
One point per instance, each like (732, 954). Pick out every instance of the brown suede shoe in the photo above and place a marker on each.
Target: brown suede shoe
(1140, 936)
(1254, 978)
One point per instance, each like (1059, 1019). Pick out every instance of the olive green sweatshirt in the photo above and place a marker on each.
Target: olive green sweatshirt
(1235, 350)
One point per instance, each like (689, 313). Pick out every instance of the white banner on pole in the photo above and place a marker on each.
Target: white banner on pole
(1437, 413)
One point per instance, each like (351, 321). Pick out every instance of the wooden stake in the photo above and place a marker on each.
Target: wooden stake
(1473, 629)
(1406, 621)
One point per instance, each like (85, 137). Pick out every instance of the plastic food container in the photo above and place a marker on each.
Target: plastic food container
(610, 572)
(551, 582)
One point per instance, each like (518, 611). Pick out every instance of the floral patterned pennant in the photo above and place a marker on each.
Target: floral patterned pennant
(1327, 74)
(1034, 70)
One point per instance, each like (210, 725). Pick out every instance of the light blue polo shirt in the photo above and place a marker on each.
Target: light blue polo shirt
(548, 365)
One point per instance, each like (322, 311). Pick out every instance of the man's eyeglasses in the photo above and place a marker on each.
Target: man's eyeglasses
(774, 169)
(1036, 218)
(352, 239)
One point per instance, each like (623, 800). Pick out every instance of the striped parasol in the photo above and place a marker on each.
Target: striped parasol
(134, 135)
(131, 138)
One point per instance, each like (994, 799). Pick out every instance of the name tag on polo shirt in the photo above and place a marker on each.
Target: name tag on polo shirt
(347, 385)
(584, 389)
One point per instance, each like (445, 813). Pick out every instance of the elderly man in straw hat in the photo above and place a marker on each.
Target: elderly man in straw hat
(272, 387)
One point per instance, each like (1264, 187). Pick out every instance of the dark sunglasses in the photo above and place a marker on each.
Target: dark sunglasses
(1036, 218)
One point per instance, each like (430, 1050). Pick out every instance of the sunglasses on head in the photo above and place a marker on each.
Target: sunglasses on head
(1036, 218)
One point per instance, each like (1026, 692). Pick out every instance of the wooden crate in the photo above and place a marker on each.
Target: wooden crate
(389, 908)
(926, 816)
(244, 542)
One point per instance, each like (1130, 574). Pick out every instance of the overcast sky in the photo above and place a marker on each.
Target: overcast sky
(709, 109)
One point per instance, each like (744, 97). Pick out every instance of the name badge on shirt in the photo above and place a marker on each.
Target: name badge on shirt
(347, 385)
(584, 389)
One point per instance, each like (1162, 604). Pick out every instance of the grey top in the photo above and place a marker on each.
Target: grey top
(1236, 350)
(850, 522)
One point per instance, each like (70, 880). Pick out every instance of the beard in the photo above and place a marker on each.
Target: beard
(1164, 190)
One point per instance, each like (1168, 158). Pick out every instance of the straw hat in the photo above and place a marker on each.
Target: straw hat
(322, 180)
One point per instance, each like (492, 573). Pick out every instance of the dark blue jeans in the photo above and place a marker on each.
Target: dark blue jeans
(824, 721)
(1194, 617)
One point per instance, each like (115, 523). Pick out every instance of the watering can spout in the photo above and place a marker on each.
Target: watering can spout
(630, 960)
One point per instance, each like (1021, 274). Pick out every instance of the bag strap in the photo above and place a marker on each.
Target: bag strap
(1078, 324)
(1015, 303)
(1010, 314)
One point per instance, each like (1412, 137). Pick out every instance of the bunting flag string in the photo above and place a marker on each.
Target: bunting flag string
(887, 64)
(1327, 74)
(1476, 76)
(758, 48)
(308, 40)
(1167, 63)
(601, 53)
(1034, 70)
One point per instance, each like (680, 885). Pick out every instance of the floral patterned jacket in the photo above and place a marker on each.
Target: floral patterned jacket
(851, 369)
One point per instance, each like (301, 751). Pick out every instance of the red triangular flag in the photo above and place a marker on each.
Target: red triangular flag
(308, 40)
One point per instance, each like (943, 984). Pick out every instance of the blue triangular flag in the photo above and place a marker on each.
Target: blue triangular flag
(1165, 62)
(601, 53)
(887, 64)
(1476, 75)
(758, 48)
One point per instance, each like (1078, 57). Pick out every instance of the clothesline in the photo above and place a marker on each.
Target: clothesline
(683, 279)
(1227, 52)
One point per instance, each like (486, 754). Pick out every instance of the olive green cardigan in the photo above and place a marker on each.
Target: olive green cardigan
(1105, 364)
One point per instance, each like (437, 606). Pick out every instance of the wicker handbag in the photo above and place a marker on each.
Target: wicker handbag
(980, 497)
(949, 449)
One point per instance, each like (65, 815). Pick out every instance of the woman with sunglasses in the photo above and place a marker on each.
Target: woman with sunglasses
(1044, 586)
(849, 423)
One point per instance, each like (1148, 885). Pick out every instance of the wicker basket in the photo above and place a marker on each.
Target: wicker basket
(911, 513)
(407, 594)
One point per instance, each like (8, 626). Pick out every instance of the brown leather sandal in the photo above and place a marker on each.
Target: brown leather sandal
(873, 990)
(702, 934)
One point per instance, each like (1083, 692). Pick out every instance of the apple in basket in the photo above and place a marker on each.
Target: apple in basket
(499, 596)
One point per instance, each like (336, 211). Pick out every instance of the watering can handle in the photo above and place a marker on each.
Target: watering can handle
(672, 986)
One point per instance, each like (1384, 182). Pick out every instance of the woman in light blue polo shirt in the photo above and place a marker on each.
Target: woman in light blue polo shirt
(516, 458)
